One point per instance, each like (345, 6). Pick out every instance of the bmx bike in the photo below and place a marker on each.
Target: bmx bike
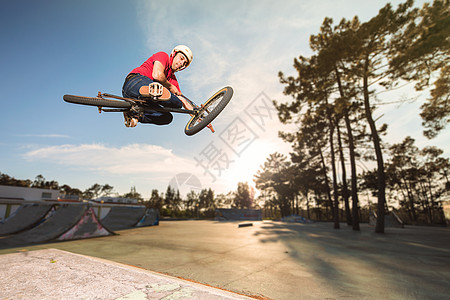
(201, 116)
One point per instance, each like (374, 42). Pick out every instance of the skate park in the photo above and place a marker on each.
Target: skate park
(219, 259)
(307, 77)
(43, 222)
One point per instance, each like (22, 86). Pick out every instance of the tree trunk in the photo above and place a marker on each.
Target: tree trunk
(381, 177)
(307, 208)
(333, 168)
(351, 145)
(327, 183)
(411, 201)
(433, 203)
(345, 194)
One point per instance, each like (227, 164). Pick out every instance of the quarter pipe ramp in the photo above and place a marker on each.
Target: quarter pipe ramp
(88, 226)
(150, 218)
(390, 219)
(68, 221)
(26, 217)
(123, 217)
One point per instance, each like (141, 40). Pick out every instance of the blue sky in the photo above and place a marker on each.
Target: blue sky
(52, 48)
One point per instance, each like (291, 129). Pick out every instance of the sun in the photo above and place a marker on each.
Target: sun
(244, 167)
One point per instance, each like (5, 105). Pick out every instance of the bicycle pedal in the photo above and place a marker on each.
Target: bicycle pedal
(155, 90)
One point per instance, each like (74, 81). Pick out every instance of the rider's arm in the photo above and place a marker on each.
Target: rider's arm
(186, 103)
(158, 75)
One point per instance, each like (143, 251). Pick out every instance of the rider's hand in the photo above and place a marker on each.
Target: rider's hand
(186, 104)
(174, 90)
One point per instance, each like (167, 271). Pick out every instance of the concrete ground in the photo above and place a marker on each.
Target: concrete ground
(56, 274)
(279, 260)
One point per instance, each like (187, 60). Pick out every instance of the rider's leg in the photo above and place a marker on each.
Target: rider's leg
(156, 117)
(174, 102)
(131, 87)
(128, 91)
(166, 98)
(157, 92)
(131, 90)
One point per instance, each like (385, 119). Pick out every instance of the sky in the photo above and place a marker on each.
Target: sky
(54, 47)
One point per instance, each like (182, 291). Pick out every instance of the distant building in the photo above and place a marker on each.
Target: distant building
(116, 200)
(12, 197)
(18, 193)
(69, 198)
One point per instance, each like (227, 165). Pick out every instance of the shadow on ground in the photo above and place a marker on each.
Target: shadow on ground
(403, 263)
(283, 260)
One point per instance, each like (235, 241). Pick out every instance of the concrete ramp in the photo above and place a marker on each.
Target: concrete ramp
(25, 217)
(296, 219)
(123, 217)
(87, 227)
(390, 219)
(68, 221)
(150, 218)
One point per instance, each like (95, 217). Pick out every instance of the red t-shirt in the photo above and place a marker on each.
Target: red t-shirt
(146, 68)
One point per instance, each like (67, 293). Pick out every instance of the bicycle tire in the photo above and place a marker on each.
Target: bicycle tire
(218, 102)
(99, 102)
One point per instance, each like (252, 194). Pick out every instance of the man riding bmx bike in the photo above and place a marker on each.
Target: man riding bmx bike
(155, 81)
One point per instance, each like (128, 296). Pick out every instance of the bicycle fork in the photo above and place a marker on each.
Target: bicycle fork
(195, 105)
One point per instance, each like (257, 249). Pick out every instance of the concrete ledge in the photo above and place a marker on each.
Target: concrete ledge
(56, 274)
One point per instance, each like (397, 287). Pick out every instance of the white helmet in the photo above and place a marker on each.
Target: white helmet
(186, 51)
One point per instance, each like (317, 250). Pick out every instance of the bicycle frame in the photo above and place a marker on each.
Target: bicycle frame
(201, 116)
(142, 103)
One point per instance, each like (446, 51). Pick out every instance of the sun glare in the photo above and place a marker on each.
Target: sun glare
(243, 168)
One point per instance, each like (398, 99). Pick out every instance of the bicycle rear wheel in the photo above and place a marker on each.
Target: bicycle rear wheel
(99, 102)
(209, 111)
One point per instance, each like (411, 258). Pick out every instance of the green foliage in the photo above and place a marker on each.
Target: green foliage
(8, 180)
(206, 199)
(417, 178)
(421, 52)
(243, 197)
(133, 194)
(337, 85)
(172, 199)
(436, 111)
(275, 178)
(156, 200)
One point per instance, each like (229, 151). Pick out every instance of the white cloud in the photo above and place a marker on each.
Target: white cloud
(132, 159)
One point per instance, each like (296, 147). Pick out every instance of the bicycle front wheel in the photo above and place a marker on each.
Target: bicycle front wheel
(99, 102)
(209, 111)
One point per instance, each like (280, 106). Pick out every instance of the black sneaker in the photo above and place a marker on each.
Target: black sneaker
(130, 121)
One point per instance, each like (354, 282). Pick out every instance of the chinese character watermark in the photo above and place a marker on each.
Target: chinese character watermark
(212, 159)
(237, 137)
(260, 110)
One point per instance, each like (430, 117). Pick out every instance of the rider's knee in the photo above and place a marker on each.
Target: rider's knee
(175, 101)
(164, 120)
